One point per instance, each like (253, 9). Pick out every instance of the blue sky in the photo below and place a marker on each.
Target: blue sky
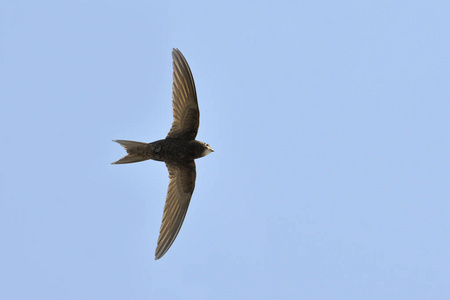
(330, 124)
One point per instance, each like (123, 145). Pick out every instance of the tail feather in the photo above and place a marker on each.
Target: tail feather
(135, 152)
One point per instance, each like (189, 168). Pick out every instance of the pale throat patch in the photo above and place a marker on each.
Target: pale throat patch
(206, 151)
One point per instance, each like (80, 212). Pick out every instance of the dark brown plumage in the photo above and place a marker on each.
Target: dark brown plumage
(178, 150)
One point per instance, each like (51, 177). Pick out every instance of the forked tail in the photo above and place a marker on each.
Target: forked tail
(136, 152)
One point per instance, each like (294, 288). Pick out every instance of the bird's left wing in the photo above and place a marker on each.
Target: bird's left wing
(181, 186)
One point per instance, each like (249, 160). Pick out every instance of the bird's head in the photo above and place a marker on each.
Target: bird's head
(206, 149)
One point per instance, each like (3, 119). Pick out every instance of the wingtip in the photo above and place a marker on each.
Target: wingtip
(176, 52)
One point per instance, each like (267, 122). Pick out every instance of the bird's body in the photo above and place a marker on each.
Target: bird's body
(167, 150)
(178, 150)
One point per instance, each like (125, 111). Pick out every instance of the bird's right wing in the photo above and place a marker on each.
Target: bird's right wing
(186, 115)
(181, 186)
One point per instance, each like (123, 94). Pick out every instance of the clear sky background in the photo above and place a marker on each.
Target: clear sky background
(330, 122)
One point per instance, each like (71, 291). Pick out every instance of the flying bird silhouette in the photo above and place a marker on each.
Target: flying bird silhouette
(178, 150)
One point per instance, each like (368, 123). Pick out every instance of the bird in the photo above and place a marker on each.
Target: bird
(178, 151)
